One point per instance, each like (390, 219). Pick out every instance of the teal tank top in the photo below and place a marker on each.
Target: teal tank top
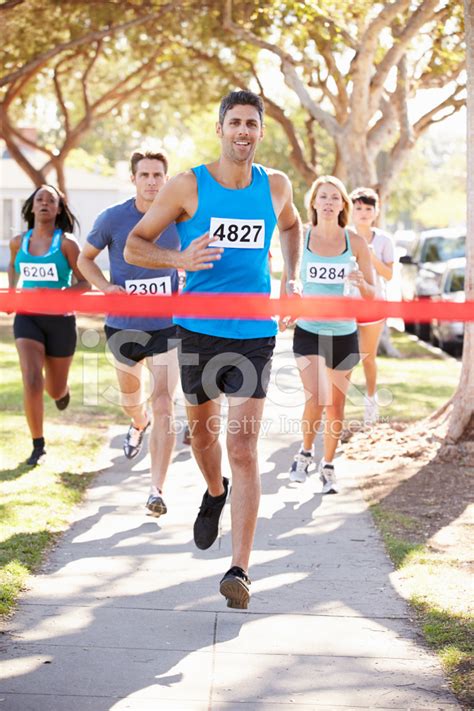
(244, 221)
(324, 276)
(45, 271)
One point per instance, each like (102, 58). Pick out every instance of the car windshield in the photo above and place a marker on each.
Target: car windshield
(440, 249)
(457, 280)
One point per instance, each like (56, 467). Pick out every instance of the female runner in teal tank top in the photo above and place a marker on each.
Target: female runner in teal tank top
(45, 257)
(327, 351)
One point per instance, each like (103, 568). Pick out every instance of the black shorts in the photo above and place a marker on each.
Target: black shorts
(339, 352)
(56, 333)
(211, 365)
(130, 346)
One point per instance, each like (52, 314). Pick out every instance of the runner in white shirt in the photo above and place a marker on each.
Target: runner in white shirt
(364, 213)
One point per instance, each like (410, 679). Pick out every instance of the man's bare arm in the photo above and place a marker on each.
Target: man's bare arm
(289, 225)
(171, 203)
(92, 272)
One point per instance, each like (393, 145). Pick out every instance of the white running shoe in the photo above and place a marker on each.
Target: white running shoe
(300, 466)
(328, 478)
(371, 414)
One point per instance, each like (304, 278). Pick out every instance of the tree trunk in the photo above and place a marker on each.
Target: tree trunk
(358, 169)
(461, 424)
(386, 346)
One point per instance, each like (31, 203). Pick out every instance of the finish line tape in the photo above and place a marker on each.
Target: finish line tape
(225, 306)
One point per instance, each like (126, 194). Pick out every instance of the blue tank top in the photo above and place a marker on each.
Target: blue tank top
(44, 271)
(324, 276)
(244, 221)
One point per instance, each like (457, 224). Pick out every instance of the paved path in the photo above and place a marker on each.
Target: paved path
(127, 613)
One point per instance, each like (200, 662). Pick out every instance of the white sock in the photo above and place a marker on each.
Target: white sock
(154, 491)
(324, 463)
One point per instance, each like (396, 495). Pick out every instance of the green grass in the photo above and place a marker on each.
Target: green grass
(36, 504)
(450, 634)
(411, 387)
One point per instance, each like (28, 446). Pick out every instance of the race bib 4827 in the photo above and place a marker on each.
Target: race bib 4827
(241, 234)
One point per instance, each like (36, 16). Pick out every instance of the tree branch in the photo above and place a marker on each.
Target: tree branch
(450, 102)
(60, 97)
(293, 81)
(384, 129)
(41, 61)
(247, 36)
(10, 4)
(424, 13)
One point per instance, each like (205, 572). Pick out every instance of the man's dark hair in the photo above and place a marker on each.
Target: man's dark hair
(240, 98)
(65, 220)
(137, 156)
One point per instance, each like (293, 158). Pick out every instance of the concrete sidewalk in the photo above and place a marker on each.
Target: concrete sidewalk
(127, 614)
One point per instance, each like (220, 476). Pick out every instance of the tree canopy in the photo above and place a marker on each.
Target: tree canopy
(336, 75)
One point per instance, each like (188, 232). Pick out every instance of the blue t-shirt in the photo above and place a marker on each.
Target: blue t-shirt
(111, 230)
(244, 221)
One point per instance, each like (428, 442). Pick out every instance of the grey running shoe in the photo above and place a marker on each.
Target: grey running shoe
(156, 505)
(235, 587)
(134, 441)
(300, 466)
(328, 478)
(206, 525)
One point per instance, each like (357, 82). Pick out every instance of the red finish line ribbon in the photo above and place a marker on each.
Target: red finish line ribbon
(225, 306)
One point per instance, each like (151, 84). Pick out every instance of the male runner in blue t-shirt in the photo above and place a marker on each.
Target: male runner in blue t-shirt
(134, 341)
(225, 213)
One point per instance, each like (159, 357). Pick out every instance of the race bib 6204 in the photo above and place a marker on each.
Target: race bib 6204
(38, 272)
(157, 286)
(243, 234)
(326, 273)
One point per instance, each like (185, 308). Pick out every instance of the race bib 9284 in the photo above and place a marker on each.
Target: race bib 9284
(240, 234)
(326, 273)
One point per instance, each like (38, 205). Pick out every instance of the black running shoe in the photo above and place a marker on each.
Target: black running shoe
(36, 456)
(63, 402)
(134, 441)
(206, 525)
(156, 505)
(235, 587)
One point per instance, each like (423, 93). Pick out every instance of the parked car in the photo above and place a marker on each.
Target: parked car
(423, 266)
(404, 240)
(449, 335)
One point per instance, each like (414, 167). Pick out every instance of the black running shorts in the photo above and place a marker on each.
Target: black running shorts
(211, 365)
(130, 346)
(339, 352)
(56, 333)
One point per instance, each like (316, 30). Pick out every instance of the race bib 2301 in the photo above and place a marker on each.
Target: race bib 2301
(158, 287)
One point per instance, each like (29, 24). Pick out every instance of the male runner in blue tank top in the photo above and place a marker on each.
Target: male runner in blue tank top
(225, 213)
(134, 341)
